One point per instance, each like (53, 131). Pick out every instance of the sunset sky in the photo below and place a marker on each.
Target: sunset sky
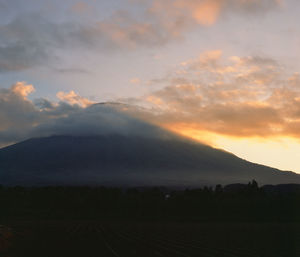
(224, 72)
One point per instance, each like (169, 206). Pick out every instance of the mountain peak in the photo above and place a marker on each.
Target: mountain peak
(127, 160)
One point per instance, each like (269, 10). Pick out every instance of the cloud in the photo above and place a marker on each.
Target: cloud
(31, 40)
(16, 111)
(250, 96)
(21, 118)
(99, 119)
(73, 71)
(28, 41)
(207, 12)
(22, 89)
(204, 12)
(74, 99)
(80, 7)
(19, 115)
(135, 81)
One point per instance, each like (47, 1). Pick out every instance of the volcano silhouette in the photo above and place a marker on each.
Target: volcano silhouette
(128, 160)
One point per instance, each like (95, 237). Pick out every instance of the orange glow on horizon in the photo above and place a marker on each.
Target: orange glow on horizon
(279, 152)
(187, 130)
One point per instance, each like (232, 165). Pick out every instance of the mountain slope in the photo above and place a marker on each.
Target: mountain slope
(127, 160)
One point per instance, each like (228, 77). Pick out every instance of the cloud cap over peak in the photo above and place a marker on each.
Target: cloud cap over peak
(21, 118)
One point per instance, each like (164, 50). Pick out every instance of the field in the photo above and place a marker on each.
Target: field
(113, 239)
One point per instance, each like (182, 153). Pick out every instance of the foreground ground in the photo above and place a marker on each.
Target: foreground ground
(111, 239)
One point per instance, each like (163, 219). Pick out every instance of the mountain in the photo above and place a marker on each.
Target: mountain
(127, 160)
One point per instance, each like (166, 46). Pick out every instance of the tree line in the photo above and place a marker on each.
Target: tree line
(236, 202)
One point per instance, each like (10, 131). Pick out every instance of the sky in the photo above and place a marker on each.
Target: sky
(223, 72)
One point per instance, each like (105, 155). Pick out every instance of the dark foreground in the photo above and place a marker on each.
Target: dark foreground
(111, 239)
(232, 221)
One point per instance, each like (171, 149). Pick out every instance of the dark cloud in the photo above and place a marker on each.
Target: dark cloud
(18, 115)
(98, 119)
(15, 110)
(30, 39)
(19, 57)
(21, 118)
